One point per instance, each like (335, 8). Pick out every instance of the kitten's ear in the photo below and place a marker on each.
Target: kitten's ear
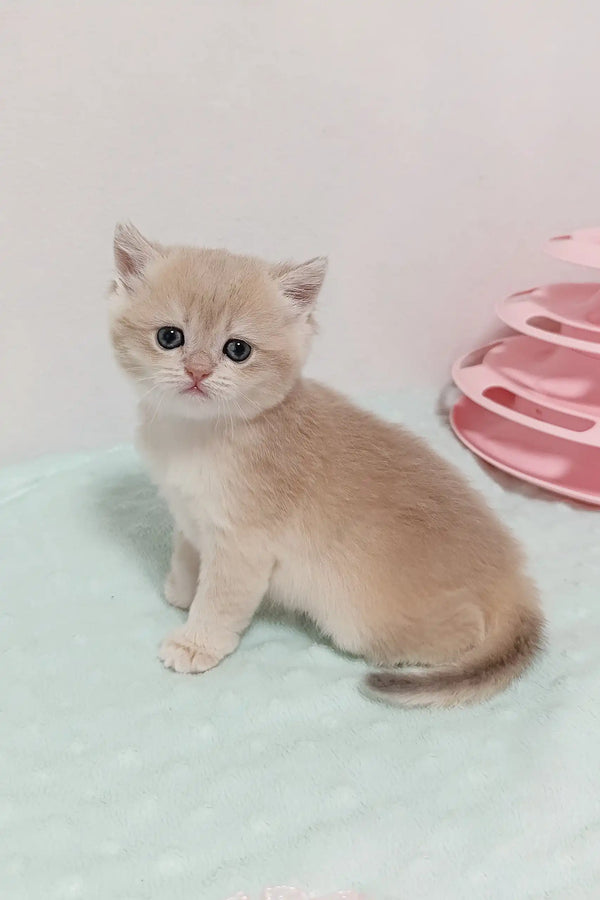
(132, 252)
(301, 283)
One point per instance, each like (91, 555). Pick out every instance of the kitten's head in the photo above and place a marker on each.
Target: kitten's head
(204, 332)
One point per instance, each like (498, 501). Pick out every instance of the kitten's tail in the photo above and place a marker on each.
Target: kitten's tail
(478, 676)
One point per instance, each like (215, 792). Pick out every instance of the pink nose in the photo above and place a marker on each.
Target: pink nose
(197, 374)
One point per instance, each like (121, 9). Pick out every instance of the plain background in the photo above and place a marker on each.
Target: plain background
(428, 147)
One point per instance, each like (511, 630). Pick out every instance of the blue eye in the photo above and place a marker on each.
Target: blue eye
(237, 351)
(169, 337)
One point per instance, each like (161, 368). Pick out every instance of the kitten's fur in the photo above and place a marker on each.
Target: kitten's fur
(278, 485)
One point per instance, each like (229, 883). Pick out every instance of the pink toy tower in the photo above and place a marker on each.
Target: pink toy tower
(531, 403)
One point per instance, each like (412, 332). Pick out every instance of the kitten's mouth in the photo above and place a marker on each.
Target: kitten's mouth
(194, 390)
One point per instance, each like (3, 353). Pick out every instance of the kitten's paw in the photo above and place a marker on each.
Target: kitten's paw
(178, 594)
(184, 652)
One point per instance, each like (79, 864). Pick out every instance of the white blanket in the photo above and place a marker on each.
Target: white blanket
(120, 780)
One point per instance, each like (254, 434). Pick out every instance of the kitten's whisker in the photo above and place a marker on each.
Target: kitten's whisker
(243, 416)
(252, 402)
(146, 393)
(157, 407)
(146, 378)
(232, 425)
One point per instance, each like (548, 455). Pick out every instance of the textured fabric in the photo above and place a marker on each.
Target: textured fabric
(120, 779)
(288, 893)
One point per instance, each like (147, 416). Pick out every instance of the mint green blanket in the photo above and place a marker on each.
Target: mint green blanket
(120, 780)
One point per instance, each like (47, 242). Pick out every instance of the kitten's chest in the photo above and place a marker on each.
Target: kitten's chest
(191, 478)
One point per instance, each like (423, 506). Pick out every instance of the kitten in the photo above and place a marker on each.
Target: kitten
(279, 485)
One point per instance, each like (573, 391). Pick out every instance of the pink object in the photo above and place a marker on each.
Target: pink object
(532, 404)
(551, 464)
(289, 893)
(563, 314)
(524, 380)
(581, 247)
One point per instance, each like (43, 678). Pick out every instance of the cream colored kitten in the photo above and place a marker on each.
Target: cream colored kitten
(278, 485)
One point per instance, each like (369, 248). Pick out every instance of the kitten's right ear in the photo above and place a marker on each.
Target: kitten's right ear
(133, 252)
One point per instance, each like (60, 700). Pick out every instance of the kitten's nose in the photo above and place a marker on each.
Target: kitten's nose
(197, 373)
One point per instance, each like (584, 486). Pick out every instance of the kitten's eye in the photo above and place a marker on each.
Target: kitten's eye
(170, 337)
(238, 351)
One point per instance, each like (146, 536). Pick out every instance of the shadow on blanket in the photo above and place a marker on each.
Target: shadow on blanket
(134, 514)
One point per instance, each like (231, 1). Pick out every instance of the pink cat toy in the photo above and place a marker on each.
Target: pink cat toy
(531, 403)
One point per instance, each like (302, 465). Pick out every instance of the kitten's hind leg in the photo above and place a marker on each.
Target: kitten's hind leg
(182, 579)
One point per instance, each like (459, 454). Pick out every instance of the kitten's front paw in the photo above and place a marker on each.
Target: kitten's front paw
(178, 592)
(184, 652)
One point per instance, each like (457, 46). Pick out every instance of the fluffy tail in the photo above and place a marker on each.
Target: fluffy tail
(481, 674)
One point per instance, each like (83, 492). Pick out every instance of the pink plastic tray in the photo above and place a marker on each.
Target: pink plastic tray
(549, 389)
(559, 465)
(564, 314)
(581, 247)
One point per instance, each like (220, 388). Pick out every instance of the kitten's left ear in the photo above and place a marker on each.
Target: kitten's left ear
(301, 283)
(133, 252)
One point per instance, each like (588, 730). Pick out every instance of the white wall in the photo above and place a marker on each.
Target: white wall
(428, 147)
